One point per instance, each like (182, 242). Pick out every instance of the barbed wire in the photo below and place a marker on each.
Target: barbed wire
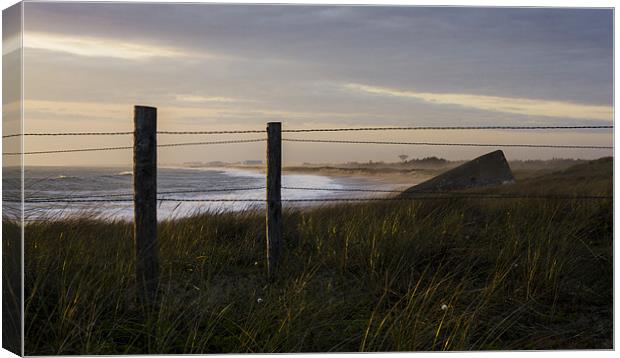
(447, 144)
(343, 189)
(402, 192)
(215, 142)
(56, 134)
(69, 150)
(447, 196)
(213, 132)
(66, 134)
(318, 130)
(85, 196)
(316, 141)
(130, 147)
(131, 200)
(442, 128)
(417, 192)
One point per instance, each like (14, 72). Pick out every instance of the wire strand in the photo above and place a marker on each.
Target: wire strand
(213, 132)
(130, 147)
(159, 193)
(318, 130)
(343, 189)
(66, 134)
(69, 150)
(447, 144)
(442, 128)
(55, 134)
(448, 197)
(61, 200)
(214, 142)
(415, 193)
(406, 198)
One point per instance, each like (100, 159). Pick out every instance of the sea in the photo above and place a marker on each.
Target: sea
(90, 188)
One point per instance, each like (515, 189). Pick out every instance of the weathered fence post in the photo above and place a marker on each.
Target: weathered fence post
(145, 201)
(274, 204)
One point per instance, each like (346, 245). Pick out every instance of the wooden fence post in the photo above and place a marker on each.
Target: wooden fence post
(145, 201)
(274, 204)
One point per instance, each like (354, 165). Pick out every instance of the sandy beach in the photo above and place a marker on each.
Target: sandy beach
(401, 179)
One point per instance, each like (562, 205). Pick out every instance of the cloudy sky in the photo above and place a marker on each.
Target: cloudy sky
(210, 67)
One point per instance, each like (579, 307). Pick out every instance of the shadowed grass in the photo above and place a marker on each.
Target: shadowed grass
(462, 274)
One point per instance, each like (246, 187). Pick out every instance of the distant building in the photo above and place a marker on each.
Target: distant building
(253, 162)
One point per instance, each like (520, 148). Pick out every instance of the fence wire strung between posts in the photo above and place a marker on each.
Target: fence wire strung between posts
(439, 196)
(145, 196)
(419, 195)
(443, 195)
(131, 147)
(359, 129)
(311, 140)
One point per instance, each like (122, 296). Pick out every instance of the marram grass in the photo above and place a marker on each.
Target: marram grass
(464, 274)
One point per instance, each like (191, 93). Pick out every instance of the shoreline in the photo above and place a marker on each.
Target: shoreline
(401, 179)
(299, 182)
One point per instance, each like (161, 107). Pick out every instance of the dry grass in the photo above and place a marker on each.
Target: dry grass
(463, 274)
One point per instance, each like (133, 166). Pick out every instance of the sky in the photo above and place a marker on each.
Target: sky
(218, 67)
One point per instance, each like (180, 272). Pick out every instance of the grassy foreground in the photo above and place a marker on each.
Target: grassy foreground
(464, 274)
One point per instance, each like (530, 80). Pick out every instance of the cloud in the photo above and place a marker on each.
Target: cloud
(523, 106)
(200, 99)
(78, 113)
(103, 47)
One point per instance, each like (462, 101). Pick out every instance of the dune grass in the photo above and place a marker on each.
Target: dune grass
(461, 274)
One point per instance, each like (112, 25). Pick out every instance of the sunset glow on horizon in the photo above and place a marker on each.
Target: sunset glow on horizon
(222, 66)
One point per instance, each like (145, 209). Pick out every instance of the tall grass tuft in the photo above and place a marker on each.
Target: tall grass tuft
(462, 274)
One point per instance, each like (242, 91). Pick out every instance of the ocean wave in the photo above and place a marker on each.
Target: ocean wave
(240, 173)
(99, 182)
(64, 177)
